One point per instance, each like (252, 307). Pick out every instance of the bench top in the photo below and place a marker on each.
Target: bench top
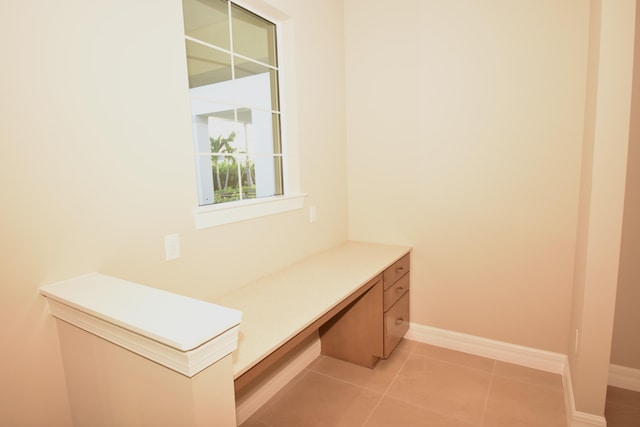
(278, 307)
(181, 333)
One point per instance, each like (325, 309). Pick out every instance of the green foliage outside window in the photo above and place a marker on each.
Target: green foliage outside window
(230, 171)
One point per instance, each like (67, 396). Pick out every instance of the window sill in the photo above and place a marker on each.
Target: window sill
(211, 216)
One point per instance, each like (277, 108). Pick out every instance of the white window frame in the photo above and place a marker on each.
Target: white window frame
(292, 199)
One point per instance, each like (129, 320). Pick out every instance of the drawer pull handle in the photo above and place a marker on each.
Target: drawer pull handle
(399, 321)
(400, 289)
(399, 269)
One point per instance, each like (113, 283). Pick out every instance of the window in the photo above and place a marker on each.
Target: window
(234, 76)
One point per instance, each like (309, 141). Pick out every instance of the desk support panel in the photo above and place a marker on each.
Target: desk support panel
(355, 334)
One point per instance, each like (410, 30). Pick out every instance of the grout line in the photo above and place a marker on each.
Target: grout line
(444, 414)
(532, 382)
(461, 365)
(486, 401)
(384, 393)
(373, 410)
(335, 378)
(343, 381)
(386, 390)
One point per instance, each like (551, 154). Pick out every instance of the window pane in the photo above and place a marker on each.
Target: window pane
(265, 174)
(256, 86)
(226, 135)
(253, 36)
(260, 134)
(203, 100)
(207, 65)
(225, 178)
(207, 20)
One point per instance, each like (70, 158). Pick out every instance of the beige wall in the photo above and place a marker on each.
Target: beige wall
(465, 124)
(625, 350)
(499, 152)
(96, 167)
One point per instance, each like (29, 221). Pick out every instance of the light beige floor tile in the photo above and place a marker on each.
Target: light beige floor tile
(392, 412)
(283, 391)
(424, 385)
(517, 404)
(442, 387)
(406, 345)
(377, 379)
(528, 375)
(314, 362)
(620, 415)
(452, 356)
(318, 400)
(621, 395)
(253, 422)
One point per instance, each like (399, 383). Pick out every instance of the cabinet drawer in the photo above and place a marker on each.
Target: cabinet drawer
(396, 324)
(395, 271)
(397, 290)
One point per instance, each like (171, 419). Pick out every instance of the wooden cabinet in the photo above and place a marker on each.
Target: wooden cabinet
(395, 304)
(371, 326)
(396, 324)
(396, 271)
(354, 333)
(395, 292)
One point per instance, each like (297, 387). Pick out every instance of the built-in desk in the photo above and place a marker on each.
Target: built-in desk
(356, 295)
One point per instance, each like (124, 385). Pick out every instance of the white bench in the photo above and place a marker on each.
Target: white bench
(356, 295)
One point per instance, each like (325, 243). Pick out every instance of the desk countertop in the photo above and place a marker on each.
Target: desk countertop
(278, 307)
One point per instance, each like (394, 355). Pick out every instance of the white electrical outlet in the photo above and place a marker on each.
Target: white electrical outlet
(171, 246)
(313, 216)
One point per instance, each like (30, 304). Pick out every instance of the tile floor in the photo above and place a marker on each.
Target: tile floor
(419, 385)
(622, 408)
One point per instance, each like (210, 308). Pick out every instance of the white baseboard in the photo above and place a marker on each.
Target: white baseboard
(581, 419)
(265, 389)
(505, 352)
(623, 377)
(577, 418)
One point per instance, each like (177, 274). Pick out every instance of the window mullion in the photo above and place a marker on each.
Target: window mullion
(233, 71)
(239, 55)
(239, 169)
(233, 62)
